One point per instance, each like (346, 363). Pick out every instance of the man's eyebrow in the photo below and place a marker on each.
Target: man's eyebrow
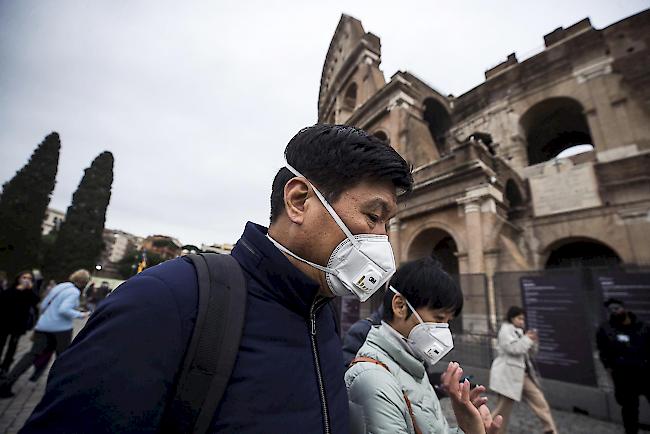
(377, 202)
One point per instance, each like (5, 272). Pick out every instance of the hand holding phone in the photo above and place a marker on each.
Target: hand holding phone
(532, 333)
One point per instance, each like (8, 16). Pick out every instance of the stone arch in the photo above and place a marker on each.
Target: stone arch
(350, 98)
(437, 242)
(514, 198)
(580, 252)
(437, 117)
(553, 125)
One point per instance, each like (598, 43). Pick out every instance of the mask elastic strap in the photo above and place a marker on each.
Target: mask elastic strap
(289, 252)
(408, 304)
(328, 207)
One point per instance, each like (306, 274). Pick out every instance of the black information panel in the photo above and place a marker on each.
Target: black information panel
(633, 289)
(555, 307)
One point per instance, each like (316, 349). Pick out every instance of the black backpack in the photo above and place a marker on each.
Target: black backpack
(213, 347)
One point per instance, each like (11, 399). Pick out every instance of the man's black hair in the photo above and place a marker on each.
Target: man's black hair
(424, 284)
(335, 158)
(513, 312)
(613, 301)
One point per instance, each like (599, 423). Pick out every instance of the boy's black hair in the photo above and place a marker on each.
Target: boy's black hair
(514, 311)
(335, 158)
(424, 283)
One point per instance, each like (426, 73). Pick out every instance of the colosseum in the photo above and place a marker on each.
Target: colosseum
(544, 165)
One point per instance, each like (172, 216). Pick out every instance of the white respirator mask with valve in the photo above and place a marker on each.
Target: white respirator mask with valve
(429, 341)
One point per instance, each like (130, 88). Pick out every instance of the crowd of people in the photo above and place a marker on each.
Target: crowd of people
(148, 361)
(47, 309)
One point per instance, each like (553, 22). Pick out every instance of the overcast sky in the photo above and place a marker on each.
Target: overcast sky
(197, 100)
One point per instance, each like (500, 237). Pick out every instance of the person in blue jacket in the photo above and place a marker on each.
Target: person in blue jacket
(330, 206)
(53, 331)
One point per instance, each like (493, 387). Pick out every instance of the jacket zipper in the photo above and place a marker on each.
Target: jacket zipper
(316, 305)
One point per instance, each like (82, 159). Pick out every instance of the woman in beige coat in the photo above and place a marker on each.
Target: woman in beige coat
(513, 376)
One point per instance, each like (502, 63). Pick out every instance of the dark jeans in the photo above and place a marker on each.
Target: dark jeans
(11, 348)
(629, 385)
(43, 342)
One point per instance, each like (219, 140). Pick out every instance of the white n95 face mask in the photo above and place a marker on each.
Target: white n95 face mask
(360, 264)
(431, 341)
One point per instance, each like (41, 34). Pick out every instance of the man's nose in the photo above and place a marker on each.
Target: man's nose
(380, 230)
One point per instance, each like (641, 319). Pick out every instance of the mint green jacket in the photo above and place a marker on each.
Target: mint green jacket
(377, 403)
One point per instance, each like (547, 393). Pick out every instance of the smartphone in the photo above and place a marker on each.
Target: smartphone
(466, 377)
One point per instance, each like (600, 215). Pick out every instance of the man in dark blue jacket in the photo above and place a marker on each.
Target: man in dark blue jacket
(329, 212)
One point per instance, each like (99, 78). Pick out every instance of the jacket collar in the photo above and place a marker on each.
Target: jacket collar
(277, 277)
(382, 338)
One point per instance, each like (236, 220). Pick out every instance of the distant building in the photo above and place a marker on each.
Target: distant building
(117, 243)
(53, 220)
(165, 246)
(224, 248)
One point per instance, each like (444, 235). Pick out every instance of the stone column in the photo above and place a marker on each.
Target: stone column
(480, 207)
(474, 229)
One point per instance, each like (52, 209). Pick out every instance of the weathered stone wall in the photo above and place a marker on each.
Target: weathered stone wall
(595, 82)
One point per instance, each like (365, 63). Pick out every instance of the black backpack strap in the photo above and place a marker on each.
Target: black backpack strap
(214, 345)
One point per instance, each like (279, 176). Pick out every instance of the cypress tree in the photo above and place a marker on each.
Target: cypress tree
(23, 204)
(79, 242)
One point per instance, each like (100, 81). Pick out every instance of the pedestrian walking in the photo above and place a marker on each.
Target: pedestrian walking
(17, 315)
(43, 360)
(388, 386)
(513, 375)
(126, 370)
(624, 349)
(90, 297)
(53, 331)
(102, 292)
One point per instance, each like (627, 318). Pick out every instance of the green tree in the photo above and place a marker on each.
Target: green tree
(79, 242)
(23, 204)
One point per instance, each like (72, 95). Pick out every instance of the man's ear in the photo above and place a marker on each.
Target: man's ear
(296, 192)
(399, 307)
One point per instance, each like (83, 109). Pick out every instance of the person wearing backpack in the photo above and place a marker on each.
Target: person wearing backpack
(177, 348)
(388, 386)
(53, 330)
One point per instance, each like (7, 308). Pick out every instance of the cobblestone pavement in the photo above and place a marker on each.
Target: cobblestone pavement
(523, 421)
(14, 412)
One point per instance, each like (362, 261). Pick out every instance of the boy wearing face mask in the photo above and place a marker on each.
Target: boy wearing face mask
(330, 206)
(388, 387)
